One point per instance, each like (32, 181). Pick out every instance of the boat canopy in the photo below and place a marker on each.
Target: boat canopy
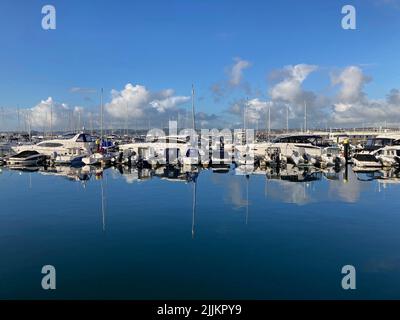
(315, 140)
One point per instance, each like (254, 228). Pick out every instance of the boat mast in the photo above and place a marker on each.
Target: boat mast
(51, 119)
(193, 113)
(287, 119)
(269, 121)
(101, 114)
(126, 119)
(244, 121)
(305, 116)
(29, 125)
(79, 121)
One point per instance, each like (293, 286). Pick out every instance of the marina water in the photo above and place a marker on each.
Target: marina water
(125, 235)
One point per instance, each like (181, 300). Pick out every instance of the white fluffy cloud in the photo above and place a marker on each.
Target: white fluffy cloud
(136, 101)
(235, 80)
(289, 88)
(48, 112)
(257, 110)
(236, 71)
(352, 106)
(351, 81)
(344, 103)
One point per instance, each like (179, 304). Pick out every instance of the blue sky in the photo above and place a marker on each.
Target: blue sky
(172, 44)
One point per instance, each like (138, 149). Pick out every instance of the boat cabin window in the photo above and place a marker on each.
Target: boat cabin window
(167, 139)
(50, 144)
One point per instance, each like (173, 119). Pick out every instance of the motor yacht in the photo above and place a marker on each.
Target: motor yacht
(61, 146)
(384, 150)
(307, 149)
(27, 158)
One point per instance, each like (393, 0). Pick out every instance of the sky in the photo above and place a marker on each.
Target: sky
(265, 55)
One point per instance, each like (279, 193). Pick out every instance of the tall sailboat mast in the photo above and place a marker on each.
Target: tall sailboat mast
(51, 119)
(244, 137)
(287, 119)
(101, 114)
(126, 118)
(193, 112)
(244, 114)
(305, 116)
(269, 121)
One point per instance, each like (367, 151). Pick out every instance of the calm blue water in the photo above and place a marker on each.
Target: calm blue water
(135, 235)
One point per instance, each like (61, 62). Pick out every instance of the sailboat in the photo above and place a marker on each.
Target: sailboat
(103, 156)
(192, 155)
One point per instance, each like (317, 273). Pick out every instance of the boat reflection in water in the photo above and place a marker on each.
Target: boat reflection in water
(385, 176)
(295, 174)
(139, 219)
(290, 184)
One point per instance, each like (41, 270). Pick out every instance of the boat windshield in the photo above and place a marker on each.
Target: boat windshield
(68, 136)
(83, 137)
(378, 143)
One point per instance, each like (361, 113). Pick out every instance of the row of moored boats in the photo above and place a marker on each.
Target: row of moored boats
(297, 149)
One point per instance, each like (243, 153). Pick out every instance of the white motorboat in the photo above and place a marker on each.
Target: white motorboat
(68, 159)
(384, 150)
(389, 156)
(272, 157)
(73, 156)
(27, 158)
(302, 143)
(61, 145)
(331, 156)
(307, 149)
(97, 158)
